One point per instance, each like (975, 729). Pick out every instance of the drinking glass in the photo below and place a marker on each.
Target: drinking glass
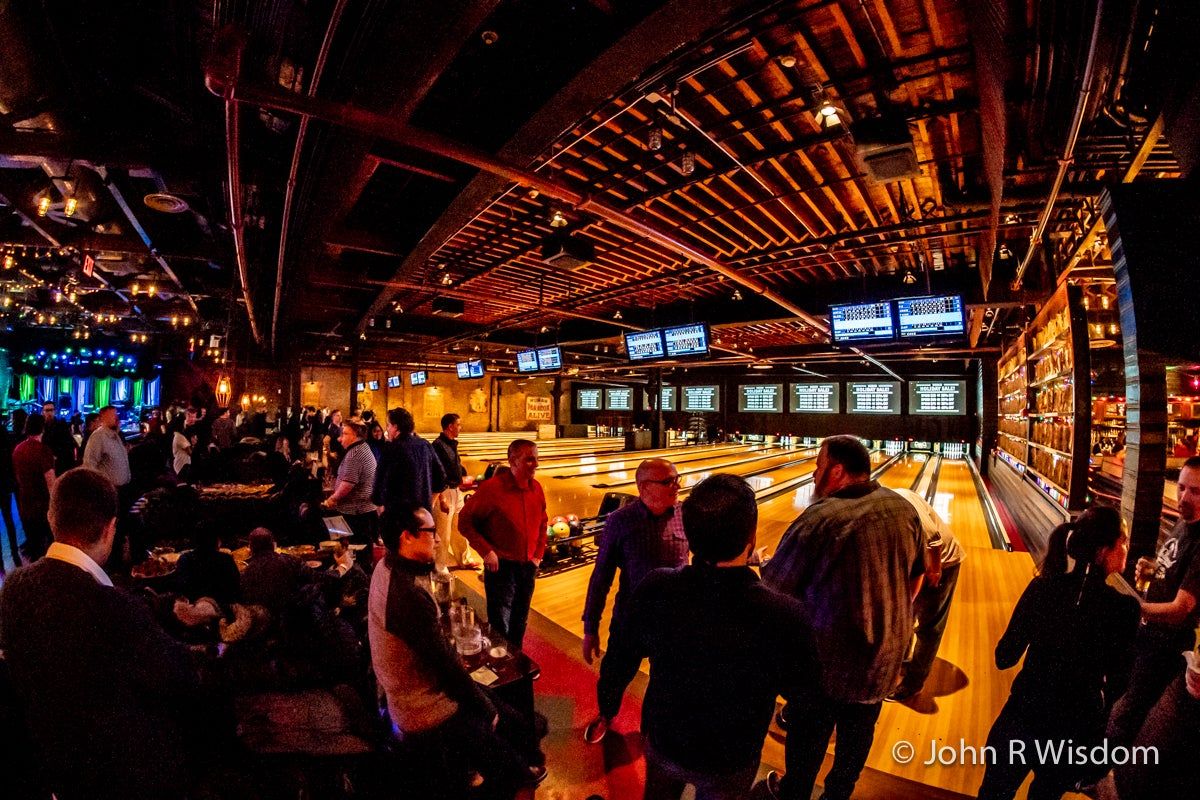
(469, 640)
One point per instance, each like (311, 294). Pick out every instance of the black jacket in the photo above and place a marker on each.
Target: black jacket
(446, 450)
(103, 685)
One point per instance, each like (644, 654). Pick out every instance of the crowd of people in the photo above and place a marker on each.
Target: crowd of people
(846, 614)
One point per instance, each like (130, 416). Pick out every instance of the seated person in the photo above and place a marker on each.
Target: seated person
(346, 587)
(204, 571)
(433, 702)
(271, 579)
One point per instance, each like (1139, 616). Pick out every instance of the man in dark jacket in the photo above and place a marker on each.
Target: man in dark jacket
(454, 549)
(102, 685)
(722, 646)
(409, 472)
(58, 438)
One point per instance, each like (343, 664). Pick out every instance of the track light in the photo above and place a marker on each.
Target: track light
(909, 278)
(737, 294)
(618, 315)
(558, 219)
(828, 116)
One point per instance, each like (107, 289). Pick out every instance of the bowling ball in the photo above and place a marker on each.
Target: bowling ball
(560, 528)
(558, 519)
(576, 526)
(469, 479)
(572, 519)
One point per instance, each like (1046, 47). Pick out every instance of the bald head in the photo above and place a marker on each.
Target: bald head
(658, 484)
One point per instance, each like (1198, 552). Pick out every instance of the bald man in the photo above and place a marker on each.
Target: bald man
(638, 538)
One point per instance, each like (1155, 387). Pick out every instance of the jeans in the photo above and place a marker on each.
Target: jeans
(509, 592)
(812, 719)
(665, 780)
(931, 611)
(10, 525)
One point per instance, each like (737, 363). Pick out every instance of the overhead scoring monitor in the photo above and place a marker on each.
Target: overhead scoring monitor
(862, 323)
(549, 358)
(931, 316)
(373, 386)
(686, 340)
(527, 361)
(469, 369)
(644, 345)
(418, 378)
(393, 381)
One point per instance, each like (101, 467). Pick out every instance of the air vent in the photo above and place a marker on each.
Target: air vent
(448, 307)
(166, 203)
(886, 148)
(568, 252)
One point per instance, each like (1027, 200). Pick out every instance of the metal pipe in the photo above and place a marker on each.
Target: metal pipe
(1064, 163)
(289, 195)
(225, 83)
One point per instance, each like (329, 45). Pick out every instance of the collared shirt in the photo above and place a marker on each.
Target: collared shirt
(73, 555)
(636, 542)
(357, 468)
(505, 518)
(850, 557)
(722, 646)
(105, 453)
(935, 528)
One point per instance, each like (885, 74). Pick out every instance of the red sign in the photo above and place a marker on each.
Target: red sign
(89, 266)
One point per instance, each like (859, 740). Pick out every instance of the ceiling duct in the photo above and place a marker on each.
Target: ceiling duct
(448, 307)
(568, 252)
(886, 148)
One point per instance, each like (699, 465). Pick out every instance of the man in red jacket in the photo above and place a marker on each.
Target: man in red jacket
(505, 521)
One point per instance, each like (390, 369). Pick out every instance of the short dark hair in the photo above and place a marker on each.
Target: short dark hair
(519, 444)
(449, 419)
(261, 541)
(1193, 462)
(850, 452)
(402, 418)
(395, 523)
(356, 425)
(109, 407)
(720, 517)
(82, 504)
(35, 425)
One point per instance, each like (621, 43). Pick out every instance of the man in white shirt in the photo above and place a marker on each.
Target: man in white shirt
(103, 686)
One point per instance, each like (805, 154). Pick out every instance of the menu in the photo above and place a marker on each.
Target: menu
(764, 398)
(587, 399)
(701, 398)
(618, 399)
(815, 398)
(937, 397)
(878, 397)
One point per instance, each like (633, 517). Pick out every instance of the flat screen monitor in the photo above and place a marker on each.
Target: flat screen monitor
(701, 398)
(588, 399)
(618, 399)
(760, 398)
(393, 381)
(816, 398)
(873, 397)
(862, 323)
(937, 397)
(549, 358)
(686, 340)
(668, 398)
(527, 361)
(644, 345)
(373, 386)
(418, 378)
(470, 369)
(361, 387)
(931, 316)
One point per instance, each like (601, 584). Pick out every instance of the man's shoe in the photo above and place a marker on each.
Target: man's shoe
(537, 774)
(596, 730)
(781, 718)
(903, 693)
(773, 787)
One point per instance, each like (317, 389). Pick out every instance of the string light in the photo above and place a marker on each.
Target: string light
(43, 207)
(70, 206)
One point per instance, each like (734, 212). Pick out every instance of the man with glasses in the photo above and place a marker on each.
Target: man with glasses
(638, 538)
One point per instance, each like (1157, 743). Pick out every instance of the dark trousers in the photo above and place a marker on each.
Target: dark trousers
(811, 722)
(931, 612)
(363, 526)
(37, 535)
(1173, 729)
(1159, 661)
(665, 780)
(10, 525)
(610, 687)
(1031, 725)
(509, 592)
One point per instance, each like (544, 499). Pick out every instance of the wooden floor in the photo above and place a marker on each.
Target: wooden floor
(965, 691)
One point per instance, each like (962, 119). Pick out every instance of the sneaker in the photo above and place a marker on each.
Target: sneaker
(773, 785)
(596, 730)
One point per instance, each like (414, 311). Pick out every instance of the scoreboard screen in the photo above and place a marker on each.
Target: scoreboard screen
(931, 316)
(863, 322)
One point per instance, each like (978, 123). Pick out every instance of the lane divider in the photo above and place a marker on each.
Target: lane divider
(997, 530)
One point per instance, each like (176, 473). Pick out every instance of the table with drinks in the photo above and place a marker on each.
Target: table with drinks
(483, 651)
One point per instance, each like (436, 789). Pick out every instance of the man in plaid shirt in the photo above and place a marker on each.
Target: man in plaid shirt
(855, 557)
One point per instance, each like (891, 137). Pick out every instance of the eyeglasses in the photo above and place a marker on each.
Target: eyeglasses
(671, 481)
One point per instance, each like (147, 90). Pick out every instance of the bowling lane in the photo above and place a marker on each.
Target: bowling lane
(957, 501)
(902, 474)
(581, 495)
(629, 459)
